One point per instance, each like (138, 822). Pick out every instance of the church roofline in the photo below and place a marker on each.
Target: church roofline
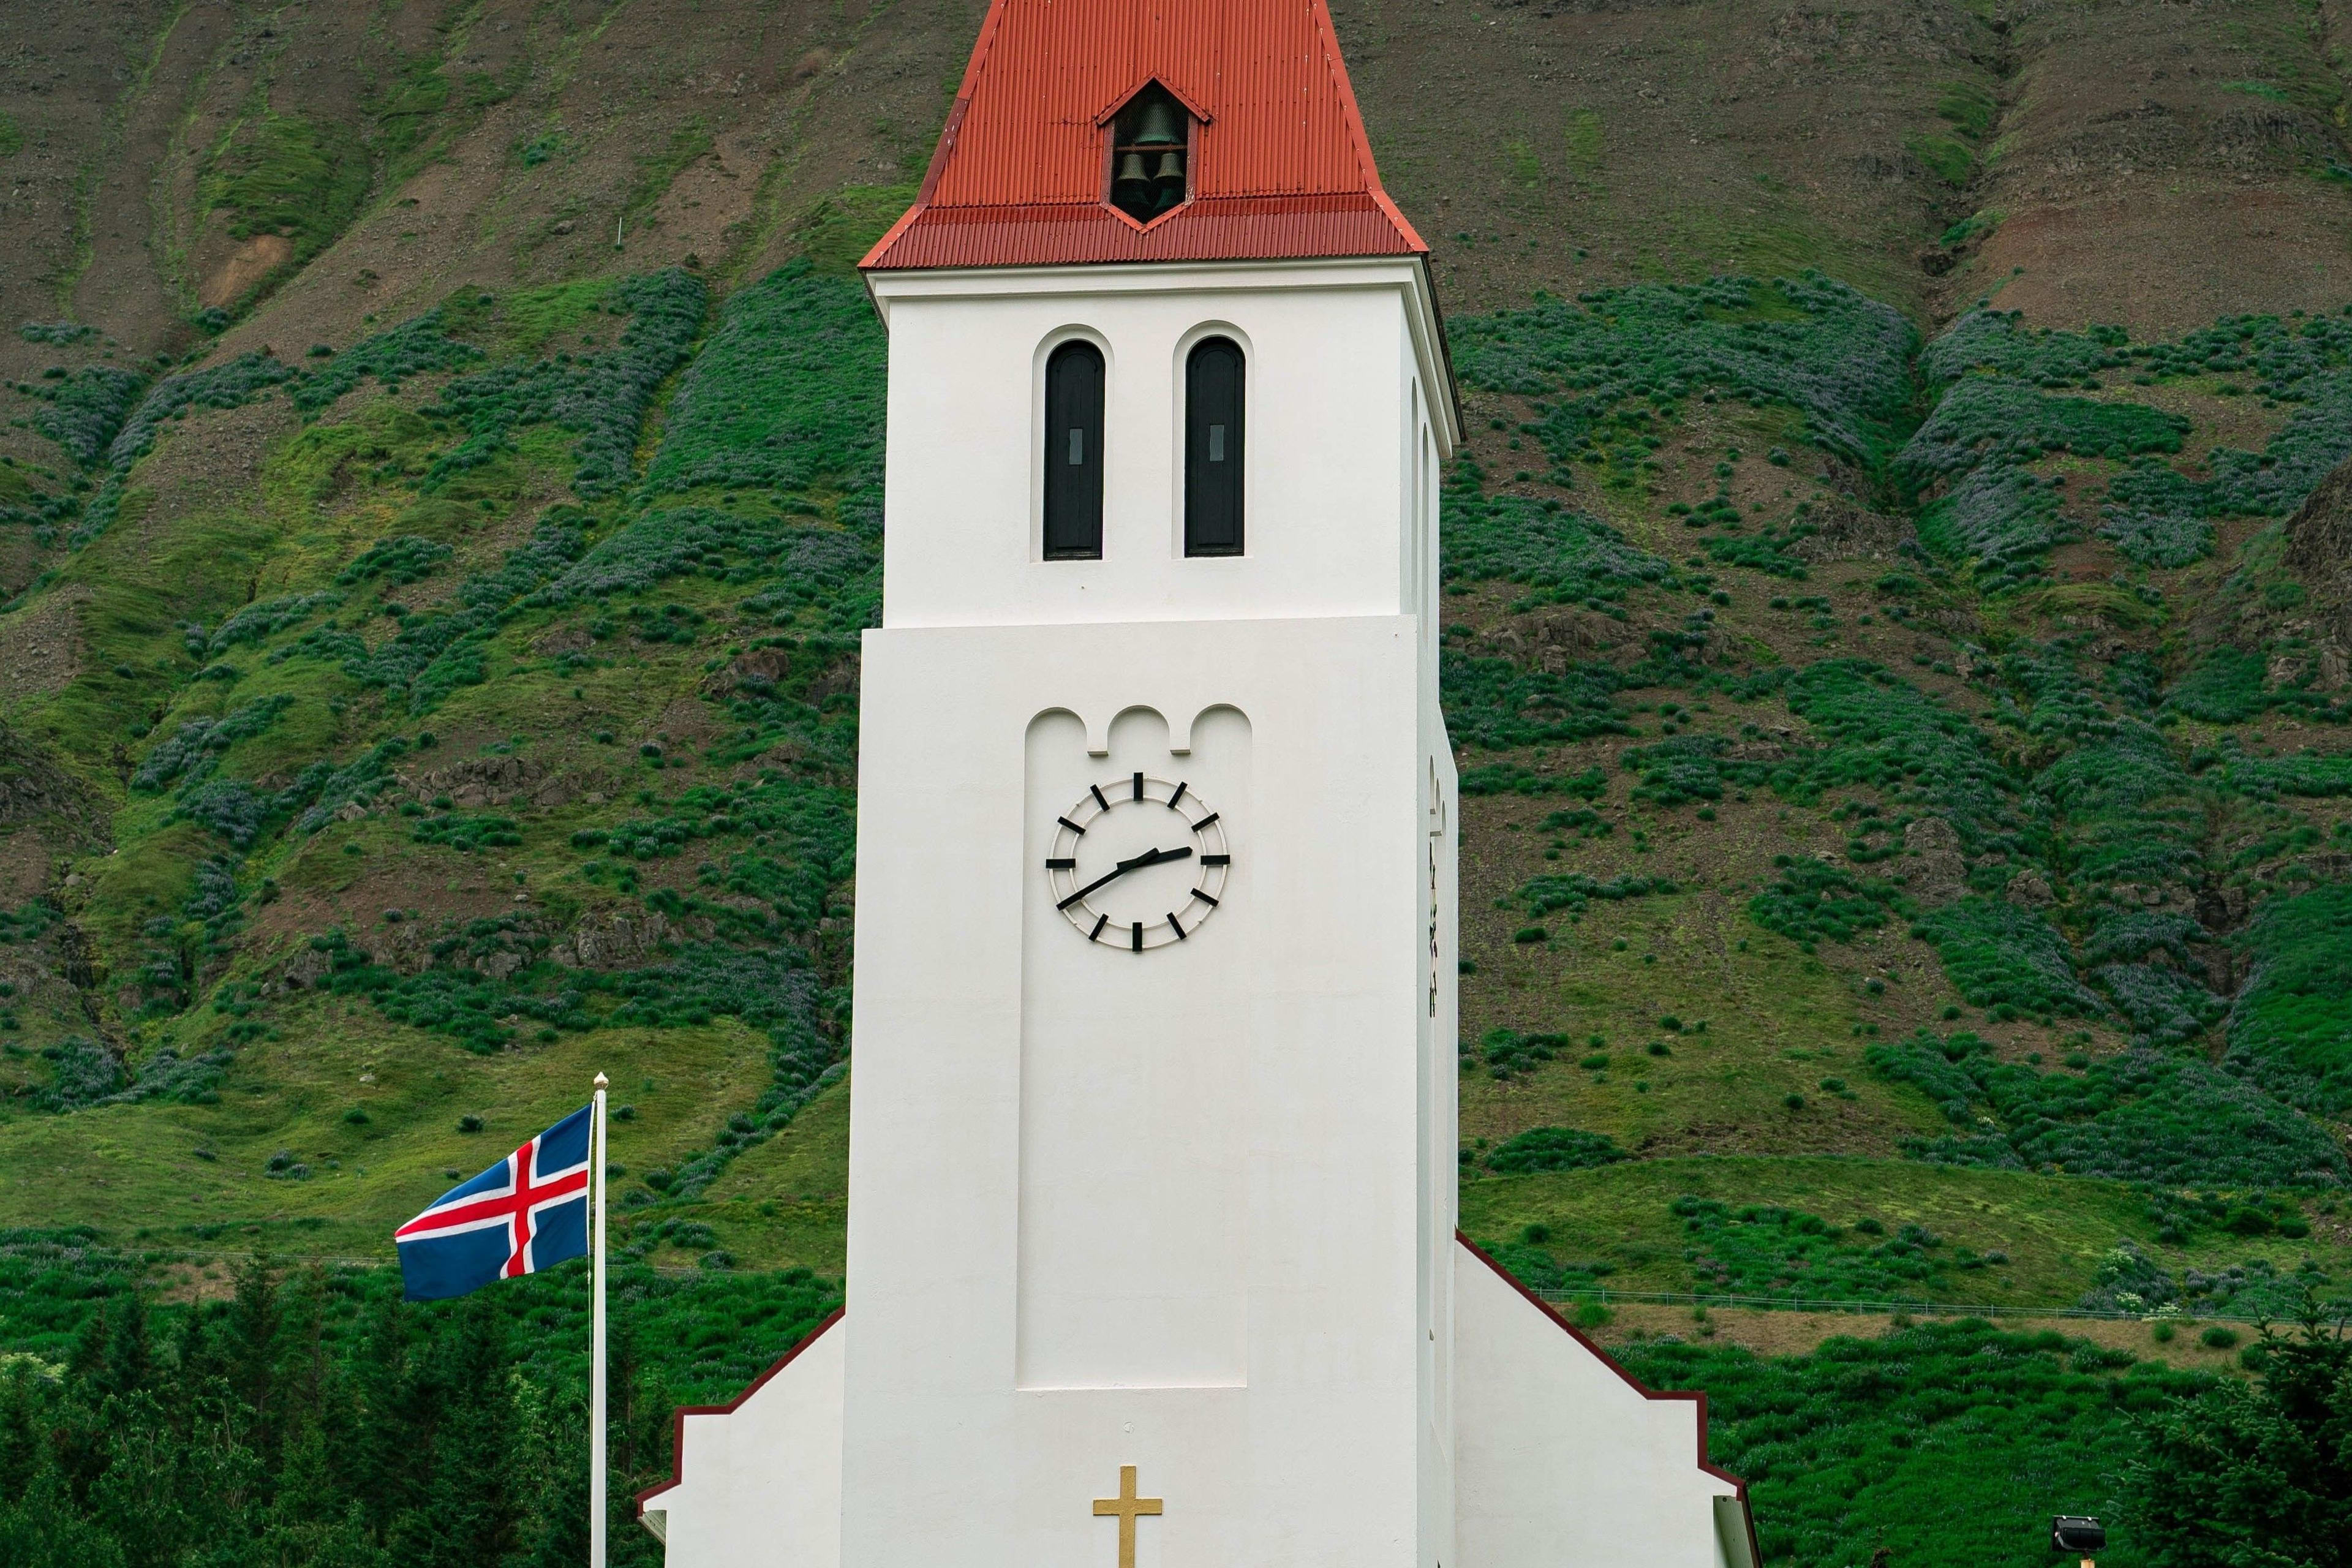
(1692, 1396)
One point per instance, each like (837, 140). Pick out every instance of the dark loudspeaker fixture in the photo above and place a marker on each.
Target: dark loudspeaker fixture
(2077, 1533)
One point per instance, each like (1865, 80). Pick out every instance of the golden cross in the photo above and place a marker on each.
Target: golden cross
(1126, 1506)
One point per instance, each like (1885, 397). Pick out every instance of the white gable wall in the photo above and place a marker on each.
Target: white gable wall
(1561, 1458)
(760, 1480)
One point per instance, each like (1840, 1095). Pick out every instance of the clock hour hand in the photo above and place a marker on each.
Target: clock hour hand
(1149, 857)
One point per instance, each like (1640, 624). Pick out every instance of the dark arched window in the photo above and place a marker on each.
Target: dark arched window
(1074, 475)
(1212, 448)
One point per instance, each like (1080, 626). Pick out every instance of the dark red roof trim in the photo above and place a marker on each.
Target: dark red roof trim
(678, 1416)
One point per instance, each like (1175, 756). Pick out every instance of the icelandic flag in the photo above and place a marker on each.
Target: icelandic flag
(524, 1213)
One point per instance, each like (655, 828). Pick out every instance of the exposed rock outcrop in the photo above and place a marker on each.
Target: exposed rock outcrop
(1934, 869)
(1846, 532)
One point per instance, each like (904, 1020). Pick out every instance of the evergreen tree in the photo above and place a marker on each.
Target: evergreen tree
(2253, 1475)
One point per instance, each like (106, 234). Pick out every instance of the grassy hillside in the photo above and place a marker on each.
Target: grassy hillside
(1896, 640)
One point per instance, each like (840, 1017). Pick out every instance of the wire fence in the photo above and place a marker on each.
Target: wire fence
(1795, 1304)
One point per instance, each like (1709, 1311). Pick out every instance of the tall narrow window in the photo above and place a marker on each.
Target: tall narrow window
(1212, 448)
(1073, 474)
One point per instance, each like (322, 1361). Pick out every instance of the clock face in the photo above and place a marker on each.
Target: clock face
(1139, 863)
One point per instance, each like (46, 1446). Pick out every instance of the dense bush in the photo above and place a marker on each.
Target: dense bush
(1887, 735)
(1573, 891)
(1952, 1443)
(601, 397)
(1562, 557)
(2142, 1117)
(82, 412)
(1755, 1249)
(2130, 1280)
(2291, 1024)
(1997, 417)
(1514, 778)
(1553, 1149)
(787, 394)
(192, 751)
(1684, 768)
(1499, 705)
(1811, 899)
(1811, 344)
(2003, 957)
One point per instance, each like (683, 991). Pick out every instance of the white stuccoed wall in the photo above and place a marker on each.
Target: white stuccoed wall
(1338, 352)
(1169, 1210)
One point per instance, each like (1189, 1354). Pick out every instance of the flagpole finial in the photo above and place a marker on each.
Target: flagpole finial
(602, 1080)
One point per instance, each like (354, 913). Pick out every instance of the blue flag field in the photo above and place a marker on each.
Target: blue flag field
(527, 1212)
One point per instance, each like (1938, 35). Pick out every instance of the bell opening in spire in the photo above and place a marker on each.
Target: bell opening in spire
(1152, 154)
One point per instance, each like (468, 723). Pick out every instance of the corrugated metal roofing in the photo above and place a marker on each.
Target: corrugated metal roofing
(1280, 167)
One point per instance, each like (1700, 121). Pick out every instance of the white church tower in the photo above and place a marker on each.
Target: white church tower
(1152, 1259)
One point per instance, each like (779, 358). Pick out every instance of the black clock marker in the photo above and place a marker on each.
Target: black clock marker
(1138, 939)
(1071, 826)
(1095, 791)
(1216, 859)
(1177, 796)
(1096, 934)
(1182, 935)
(1139, 786)
(1204, 898)
(1060, 863)
(1206, 820)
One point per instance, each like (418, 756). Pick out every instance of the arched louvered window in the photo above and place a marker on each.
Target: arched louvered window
(1074, 470)
(1213, 381)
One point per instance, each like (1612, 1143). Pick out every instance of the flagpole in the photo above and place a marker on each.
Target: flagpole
(596, 1341)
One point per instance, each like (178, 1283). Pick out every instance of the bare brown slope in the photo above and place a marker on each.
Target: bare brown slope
(2163, 162)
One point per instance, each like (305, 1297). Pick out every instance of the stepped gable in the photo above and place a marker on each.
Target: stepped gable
(1280, 168)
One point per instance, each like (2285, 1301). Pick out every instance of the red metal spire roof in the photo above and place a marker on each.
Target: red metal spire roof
(1280, 167)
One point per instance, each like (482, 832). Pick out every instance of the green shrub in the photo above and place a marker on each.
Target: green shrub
(1752, 1249)
(1514, 778)
(2142, 1117)
(2291, 1024)
(1999, 956)
(1607, 365)
(1508, 1054)
(1919, 1431)
(1495, 704)
(1811, 900)
(1574, 892)
(785, 395)
(1553, 1149)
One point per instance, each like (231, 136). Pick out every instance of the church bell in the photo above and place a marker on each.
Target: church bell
(1169, 179)
(1158, 126)
(1133, 186)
